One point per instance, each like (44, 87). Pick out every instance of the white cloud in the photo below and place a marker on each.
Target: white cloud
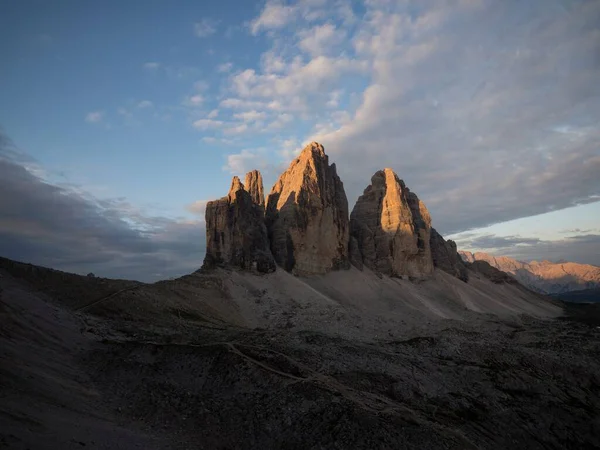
(205, 27)
(214, 113)
(321, 39)
(151, 65)
(315, 76)
(238, 103)
(334, 98)
(280, 121)
(94, 117)
(236, 129)
(250, 116)
(194, 100)
(245, 161)
(145, 104)
(225, 67)
(205, 124)
(274, 15)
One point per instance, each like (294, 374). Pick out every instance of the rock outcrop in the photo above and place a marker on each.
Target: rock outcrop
(307, 216)
(236, 234)
(392, 229)
(446, 257)
(254, 185)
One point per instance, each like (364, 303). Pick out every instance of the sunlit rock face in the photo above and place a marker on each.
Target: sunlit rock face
(307, 216)
(390, 229)
(236, 235)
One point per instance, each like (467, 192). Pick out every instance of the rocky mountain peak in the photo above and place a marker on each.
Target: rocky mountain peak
(307, 215)
(254, 185)
(313, 150)
(391, 228)
(236, 185)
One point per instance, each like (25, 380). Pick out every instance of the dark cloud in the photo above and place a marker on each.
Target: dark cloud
(67, 229)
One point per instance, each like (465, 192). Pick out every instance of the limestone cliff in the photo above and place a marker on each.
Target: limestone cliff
(392, 229)
(307, 216)
(235, 232)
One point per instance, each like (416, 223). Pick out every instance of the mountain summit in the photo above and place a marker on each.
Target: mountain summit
(307, 215)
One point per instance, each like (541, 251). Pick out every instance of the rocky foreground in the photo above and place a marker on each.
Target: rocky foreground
(161, 367)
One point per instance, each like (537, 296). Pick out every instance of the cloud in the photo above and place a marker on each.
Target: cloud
(274, 15)
(193, 100)
(94, 117)
(250, 116)
(205, 124)
(321, 39)
(245, 161)
(238, 103)
(151, 65)
(300, 83)
(233, 129)
(64, 227)
(145, 104)
(277, 14)
(214, 113)
(205, 27)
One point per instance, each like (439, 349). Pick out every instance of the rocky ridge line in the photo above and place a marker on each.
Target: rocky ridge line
(304, 226)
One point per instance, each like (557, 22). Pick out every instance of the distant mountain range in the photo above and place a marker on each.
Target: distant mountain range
(545, 277)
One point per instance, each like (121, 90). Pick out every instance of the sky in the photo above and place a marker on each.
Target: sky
(120, 120)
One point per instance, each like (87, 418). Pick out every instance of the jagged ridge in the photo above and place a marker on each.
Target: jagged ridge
(306, 229)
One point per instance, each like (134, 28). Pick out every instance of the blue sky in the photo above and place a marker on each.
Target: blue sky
(136, 113)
